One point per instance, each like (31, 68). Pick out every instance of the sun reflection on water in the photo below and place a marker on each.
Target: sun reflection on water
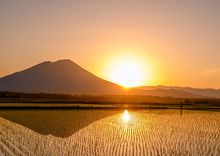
(126, 116)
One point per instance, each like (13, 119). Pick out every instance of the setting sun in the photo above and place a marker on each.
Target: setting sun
(127, 70)
(127, 75)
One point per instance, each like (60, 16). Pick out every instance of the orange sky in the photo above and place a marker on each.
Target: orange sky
(176, 42)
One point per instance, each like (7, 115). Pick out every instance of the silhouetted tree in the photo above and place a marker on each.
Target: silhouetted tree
(187, 101)
(4, 94)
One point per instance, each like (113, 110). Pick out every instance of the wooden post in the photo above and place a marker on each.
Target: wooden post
(181, 105)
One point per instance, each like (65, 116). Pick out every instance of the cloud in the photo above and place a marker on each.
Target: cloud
(210, 72)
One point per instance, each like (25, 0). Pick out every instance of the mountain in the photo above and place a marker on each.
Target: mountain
(63, 76)
(171, 93)
(209, 92)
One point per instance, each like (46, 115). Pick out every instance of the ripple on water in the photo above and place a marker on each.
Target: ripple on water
(155, 132)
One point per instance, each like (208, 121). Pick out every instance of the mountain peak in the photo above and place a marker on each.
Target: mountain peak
(58, 62)
(64, 61)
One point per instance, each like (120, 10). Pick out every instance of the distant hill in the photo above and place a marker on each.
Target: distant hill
(65, 76)
(171, 93)
(209, 92)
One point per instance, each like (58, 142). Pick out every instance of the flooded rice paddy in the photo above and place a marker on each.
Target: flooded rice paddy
(142, 132)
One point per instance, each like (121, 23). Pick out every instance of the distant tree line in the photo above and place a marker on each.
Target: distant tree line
(143, 99)
(8, 95)
(203, 101)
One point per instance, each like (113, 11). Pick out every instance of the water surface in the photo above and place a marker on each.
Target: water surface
(143, 132)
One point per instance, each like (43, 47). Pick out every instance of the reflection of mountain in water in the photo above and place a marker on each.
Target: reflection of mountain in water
(60, 123)
(146, 133)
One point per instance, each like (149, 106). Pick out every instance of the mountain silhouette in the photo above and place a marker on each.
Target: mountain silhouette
(63, 76)
(172, 93)
(208, 92)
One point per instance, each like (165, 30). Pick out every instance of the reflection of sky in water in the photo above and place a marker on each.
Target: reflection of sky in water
(156, 132)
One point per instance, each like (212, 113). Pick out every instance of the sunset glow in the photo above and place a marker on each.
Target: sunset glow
(127, 70)
(134, 77)
(166, 36)
(127, 75)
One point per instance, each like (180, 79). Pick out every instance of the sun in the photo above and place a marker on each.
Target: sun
(127, 70)
(127, 75)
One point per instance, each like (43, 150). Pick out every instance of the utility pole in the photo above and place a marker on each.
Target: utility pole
(181, 107)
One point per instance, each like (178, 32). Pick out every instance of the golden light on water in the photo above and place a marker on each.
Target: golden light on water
(140, 132)
(126, 116)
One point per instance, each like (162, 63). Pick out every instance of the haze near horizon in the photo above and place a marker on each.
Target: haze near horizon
(172, 43)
